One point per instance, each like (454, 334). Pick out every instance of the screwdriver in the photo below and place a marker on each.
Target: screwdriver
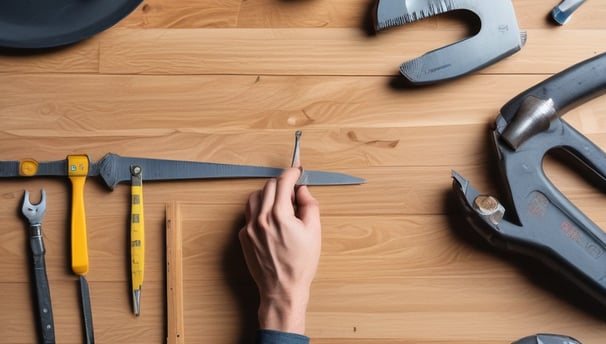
(137, 236)
(77, 171)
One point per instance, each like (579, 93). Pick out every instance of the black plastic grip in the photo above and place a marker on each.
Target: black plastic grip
(45, 311)
(568, 88)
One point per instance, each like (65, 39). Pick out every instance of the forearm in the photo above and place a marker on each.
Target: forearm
(284, 313)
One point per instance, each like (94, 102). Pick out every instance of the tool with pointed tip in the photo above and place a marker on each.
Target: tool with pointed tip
(499, 36)
(561, 13)
(296, 159)
(34, 214)
(137, 236)
(77, 170)
(114, 169)
(536, 219)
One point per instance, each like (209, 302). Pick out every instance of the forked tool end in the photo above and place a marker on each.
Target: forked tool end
(34, 212)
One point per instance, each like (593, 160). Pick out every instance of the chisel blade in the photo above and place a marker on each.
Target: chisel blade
(115, 169)
(87, 313)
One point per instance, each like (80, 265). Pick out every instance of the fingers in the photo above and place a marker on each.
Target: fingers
(276, 199)
(268, 199)
(252, 207)
(285, 191)
(308, 209)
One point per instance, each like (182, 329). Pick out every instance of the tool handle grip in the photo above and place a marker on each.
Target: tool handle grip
(137, 237)
(45, 311)
(584, 150)
(77, 170)
(569, 88)
(78, 227)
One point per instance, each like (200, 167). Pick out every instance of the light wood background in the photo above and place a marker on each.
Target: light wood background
(230, 81)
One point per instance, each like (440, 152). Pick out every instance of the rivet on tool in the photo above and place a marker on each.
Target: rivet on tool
(489, 207)
(28, 167)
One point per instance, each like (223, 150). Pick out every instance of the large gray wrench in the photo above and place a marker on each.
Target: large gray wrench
(539, 220)
(499, 36)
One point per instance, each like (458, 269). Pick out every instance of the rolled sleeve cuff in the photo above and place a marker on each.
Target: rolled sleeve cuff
(277, 337)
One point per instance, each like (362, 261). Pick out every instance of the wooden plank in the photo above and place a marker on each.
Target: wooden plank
(83, 56)
(110, 305)
(403, 278)
(335, 13)
(174, 275)
(319, 51)
(183, 14)
(46, 107)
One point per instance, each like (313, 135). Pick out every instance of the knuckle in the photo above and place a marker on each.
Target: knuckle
(262, 221)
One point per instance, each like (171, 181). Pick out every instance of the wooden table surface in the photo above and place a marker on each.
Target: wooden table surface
(230, 81)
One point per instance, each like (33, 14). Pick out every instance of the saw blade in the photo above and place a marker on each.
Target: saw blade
(392, 13)
(499, 36)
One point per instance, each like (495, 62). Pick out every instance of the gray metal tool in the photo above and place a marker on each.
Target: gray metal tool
(561, 13)
(114, 169)
(536, 219)
(87, 313)
(499, 36)
(34, 214)
(547, 339)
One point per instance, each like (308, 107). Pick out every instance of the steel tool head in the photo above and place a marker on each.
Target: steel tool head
(499, 36)
(34, 212)
(561, 14)
(547, 339)
(536, 219)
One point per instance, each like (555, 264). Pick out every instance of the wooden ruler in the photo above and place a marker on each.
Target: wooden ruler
(174, 275)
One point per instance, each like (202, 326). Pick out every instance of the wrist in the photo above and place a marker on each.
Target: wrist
(286, 314)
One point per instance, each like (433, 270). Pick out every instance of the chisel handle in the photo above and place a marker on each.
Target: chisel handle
(77, 166)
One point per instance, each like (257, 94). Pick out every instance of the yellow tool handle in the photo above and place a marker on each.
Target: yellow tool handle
(77, 166)
(137, 236)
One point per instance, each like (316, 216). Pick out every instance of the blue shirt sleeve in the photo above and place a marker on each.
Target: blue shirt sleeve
(277, 337)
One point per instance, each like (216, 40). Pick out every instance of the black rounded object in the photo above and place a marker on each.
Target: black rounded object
(52, 23)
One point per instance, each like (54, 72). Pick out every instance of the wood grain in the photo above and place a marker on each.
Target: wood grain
(174, 275)
(304, 51)
(230, 81)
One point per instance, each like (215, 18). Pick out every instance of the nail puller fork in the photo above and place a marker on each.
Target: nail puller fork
(34, 214)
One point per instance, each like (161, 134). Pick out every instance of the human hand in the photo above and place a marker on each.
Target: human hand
(281, 242)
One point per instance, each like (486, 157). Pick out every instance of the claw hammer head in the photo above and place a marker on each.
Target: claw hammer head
(499, 36)
(34, 212)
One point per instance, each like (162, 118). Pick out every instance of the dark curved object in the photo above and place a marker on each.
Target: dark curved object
(34, 24)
